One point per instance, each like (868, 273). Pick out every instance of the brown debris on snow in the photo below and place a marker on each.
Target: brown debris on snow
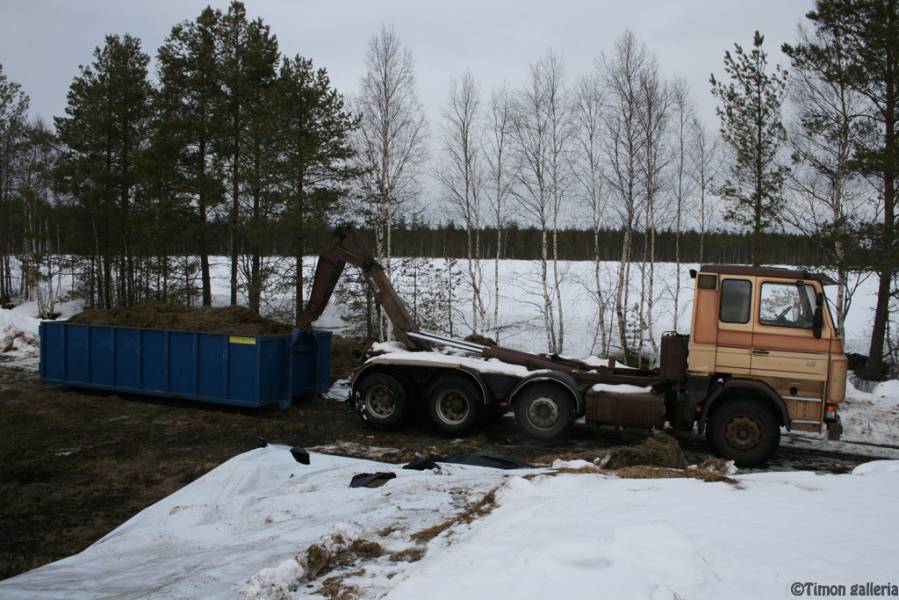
(477, 509)
(661, 450)
(412, 554)
(317, 560)
(227, 319)
(334, 587)
(663, 473)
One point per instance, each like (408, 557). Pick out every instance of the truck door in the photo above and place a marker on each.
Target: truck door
(785, 351)
(735, 325)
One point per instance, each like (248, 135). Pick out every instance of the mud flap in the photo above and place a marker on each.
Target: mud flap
(834, 429)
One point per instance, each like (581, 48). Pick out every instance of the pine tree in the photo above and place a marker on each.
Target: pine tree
(103, 134)
(259, 60)
(864, 55)
(13, 109)
(314, 150)
(750, 114)
(248, 55)
(186, 128)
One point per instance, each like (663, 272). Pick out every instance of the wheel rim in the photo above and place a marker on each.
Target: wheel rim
(452, 407)
(380, 401)
(743, 433)
(543, 412)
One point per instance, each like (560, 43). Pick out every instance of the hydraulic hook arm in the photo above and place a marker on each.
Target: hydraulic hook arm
(348, 248)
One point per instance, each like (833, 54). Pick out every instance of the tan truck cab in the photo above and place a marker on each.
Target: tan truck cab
(765, 335)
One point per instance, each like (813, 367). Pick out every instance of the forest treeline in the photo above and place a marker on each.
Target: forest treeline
(227, 146)
(447, 241)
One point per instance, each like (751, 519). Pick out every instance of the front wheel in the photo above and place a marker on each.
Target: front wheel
(544, 411)
(743, 430)
(383, 401)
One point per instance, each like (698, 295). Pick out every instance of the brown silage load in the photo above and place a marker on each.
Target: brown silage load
(238, 320)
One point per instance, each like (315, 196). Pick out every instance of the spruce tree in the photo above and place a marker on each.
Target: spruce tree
(751, 125)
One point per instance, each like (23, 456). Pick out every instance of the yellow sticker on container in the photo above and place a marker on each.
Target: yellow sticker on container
(240, 339)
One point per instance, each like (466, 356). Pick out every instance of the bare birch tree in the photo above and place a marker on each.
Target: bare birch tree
(390, 140)
(540, 132)
(460, 173)
(497, 140)
(706, 158)
(656, 101)
(588, 172)
(623, 147)
(530, 132)
(558, 101)
(682, 120)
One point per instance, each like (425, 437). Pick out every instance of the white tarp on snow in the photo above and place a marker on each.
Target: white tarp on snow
(567, 536)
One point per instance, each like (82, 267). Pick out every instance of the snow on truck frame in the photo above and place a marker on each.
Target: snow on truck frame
(762, 354)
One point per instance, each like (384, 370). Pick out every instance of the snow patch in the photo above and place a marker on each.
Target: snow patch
(621, 388)
(481, 365)
(339, 391)
(877, 467)
(274, 583)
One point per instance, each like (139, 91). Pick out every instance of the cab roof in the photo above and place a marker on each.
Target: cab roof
(822, 278)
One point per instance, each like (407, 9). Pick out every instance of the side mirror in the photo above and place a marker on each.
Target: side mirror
(818, 318)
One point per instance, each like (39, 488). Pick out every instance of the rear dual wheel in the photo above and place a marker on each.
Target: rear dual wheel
(383, 401)
(544, 410)
(454, 405)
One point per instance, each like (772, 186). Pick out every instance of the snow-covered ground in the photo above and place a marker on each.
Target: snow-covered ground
(245, 529)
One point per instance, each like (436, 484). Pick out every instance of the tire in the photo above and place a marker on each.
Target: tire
(454, 405)
(544, 411)
(383, 401)
(743, 430)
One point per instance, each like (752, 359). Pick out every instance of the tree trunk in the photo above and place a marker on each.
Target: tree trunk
(299, 250)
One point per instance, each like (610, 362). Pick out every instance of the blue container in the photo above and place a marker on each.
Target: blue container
(239, 370)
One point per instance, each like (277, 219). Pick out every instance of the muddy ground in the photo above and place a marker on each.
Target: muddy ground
(74, 464)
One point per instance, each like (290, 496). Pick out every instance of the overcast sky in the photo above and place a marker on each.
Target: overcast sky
(42, 42)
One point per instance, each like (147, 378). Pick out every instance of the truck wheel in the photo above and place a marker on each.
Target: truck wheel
(544, 411)
(454, 405)
(382, 401)
(743, 430)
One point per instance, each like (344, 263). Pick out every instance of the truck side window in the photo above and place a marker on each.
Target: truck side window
(736, 298)
(707, 282)
(787, 305)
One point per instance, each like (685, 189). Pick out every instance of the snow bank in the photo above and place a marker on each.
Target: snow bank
(19, 343)
(245, 528)
(871, 417)
(584, 536)
(20, 330)
(877, 467)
